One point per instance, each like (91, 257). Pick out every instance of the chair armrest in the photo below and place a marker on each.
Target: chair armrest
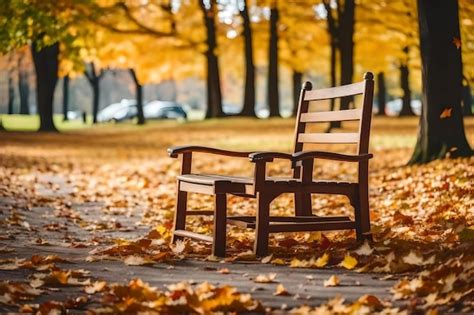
(300, 156)
(174, 152)
(268, 156)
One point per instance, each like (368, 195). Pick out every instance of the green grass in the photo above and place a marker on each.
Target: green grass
(31, 123)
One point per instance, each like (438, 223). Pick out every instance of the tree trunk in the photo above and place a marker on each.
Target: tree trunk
(65, 97)
(441, 131)
(11, 94)
(248, 108)
(94, 79)
(297, 83)
(139, 96)
(214, 93)
(273, 91)
(382, 93)
(23, 89)
(466, 100)
(333, 56)
(346, 48)
(405, 85)
(46, 63)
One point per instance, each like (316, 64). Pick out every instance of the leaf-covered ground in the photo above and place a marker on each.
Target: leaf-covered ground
(112, 188)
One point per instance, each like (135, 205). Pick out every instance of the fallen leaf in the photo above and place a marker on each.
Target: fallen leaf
(349, 262)
(134, 260)
(333, 281)
(281, 291)
(446, 113)
(265, 278)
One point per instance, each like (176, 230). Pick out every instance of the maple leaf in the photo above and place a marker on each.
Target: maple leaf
(349, 262)
(322, 261)
(134, 260)
(457, 42)
(178, 247)
(265, 278)
(364, 249)
(446, 113)
(95, 287)
(281, 291)
(414, 259)
(333, 281)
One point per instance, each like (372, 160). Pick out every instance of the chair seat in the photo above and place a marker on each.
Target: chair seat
(210, 179)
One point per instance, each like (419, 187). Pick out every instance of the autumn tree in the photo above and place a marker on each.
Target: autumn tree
(441, 129)
(65, 97)
(44, 25)
(273, 92)
(214, 93)
(23, 82)
(341, 26)
(139, 97)
(248, 108)
(94, 76)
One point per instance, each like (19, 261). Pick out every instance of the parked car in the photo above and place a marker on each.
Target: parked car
(117, 111)
(162, 109)
(395, 106)
(127, 109)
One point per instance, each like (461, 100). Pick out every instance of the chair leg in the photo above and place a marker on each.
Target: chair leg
(303, 206)
(220, 222)
(360, 202)
(180, 213)
(262, 225)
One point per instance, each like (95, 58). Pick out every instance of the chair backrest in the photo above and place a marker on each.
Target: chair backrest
(363, 115)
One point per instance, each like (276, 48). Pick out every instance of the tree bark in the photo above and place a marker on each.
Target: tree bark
(346, 48)
(297, 83)
(46, 63)
(248, 108)
(333, 56)
(466, 99)
(94, 79)
(272, 86)
(65, 97)
(23, 88)
(382, 93)
(139, 97)
(405, 85)
(214, 93)
(441, 131)
(11, 94)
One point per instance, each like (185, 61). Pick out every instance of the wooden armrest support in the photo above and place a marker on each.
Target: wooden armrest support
(268, 156)
(300, 156)
(174, 152)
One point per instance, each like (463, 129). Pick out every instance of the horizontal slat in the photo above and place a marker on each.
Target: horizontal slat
(200, 212)
(339, 115)
(347, 137)
(335, 92)
(249, 221)
(197, 236)
(311, 226)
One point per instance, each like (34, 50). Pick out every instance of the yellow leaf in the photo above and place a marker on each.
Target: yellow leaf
(281, 291)
(269, 278)
(349, 262)
(134, 260)
(95, 287)
(278, 261)
(333, 281)
(322, 261)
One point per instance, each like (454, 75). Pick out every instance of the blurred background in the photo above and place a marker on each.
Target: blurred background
(138, 60)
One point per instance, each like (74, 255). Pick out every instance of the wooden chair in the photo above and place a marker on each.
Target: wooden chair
(302, 185)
